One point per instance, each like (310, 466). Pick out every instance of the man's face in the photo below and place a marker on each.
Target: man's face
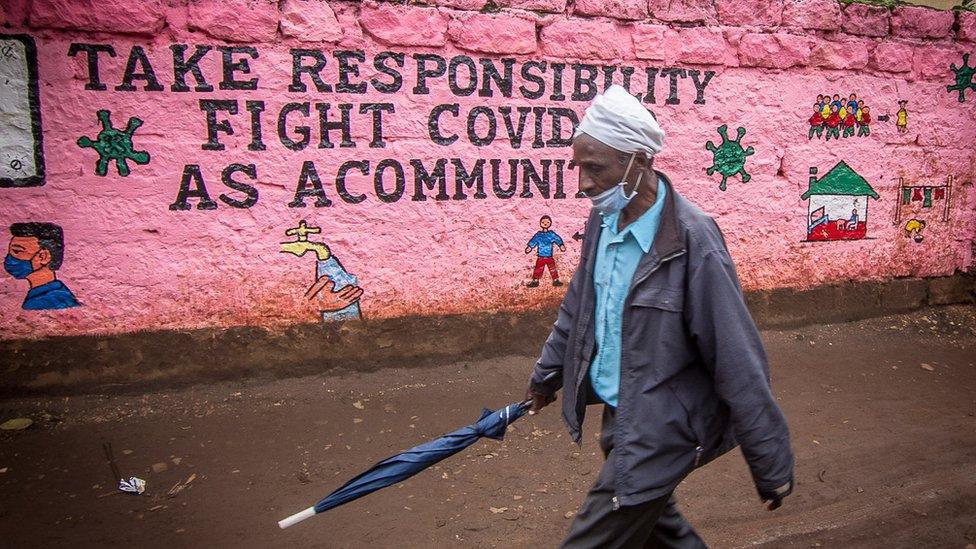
(545, 223)
(600, 167)
(28, 249)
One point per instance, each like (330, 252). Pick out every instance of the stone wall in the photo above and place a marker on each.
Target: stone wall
(206, 161)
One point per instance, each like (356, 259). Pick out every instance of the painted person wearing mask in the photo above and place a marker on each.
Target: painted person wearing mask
(654, 327)
(35, 253)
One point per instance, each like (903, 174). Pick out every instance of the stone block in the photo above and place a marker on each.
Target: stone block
(750, 13)
(903, 294)
(919, 22)
(967, 26)
(849, 54)
(310, 21)
(618, 9)
(702, 46)
(235, 20)
(684, 11)
(493, 33)
(399, 25)
(774, 51)
(892, 57)
(952, 289)
(812, 14)
(866, 20)
(587, 39)
(548, 6)
(470, 5)
(651, 41)
(932, 62)
(146, 17)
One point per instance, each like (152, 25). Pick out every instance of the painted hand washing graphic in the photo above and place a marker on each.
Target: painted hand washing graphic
(543, 242)
(838, 204)
(35, 253)
(334, 293)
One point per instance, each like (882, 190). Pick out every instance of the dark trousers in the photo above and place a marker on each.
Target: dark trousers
(656, 523)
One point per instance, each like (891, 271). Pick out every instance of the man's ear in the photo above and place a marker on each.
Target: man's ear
(643, 160)
(43, 257)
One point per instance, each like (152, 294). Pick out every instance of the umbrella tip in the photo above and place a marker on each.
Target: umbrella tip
(296, 518)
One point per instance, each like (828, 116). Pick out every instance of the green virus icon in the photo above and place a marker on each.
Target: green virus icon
(964, 78)
(729, 158)
(112, 144)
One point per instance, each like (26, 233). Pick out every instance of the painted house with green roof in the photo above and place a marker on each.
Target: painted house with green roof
(837, 204)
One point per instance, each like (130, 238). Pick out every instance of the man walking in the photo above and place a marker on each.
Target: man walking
(654, 326)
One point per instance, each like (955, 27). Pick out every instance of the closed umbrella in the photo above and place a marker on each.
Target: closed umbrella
(406, 464)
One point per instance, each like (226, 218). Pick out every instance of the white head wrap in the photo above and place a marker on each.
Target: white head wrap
(618, 119)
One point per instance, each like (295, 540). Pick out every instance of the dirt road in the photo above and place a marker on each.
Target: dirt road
(882, 414)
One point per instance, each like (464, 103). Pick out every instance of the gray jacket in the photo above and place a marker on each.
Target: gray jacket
(694, 382)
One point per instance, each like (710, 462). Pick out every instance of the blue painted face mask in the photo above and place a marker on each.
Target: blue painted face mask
(18, 268)
(615, 199)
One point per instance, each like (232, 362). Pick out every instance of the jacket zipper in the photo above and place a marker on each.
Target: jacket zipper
(662, 261)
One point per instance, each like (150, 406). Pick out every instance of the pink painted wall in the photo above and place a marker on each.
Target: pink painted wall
(136, 264)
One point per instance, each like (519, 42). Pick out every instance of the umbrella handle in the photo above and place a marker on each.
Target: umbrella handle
(549, 376)
(296, 518)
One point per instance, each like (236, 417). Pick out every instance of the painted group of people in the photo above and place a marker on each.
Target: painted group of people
(839, 117)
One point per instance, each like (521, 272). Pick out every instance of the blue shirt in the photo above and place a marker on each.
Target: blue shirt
(53, 295)
(544, 240)
(617, 256)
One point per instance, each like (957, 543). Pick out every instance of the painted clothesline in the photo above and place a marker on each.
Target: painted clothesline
(924, 193)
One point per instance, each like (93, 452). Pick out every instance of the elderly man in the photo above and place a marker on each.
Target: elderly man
(654, 327)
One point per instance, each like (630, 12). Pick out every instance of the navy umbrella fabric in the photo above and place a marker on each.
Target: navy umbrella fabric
(406, 464)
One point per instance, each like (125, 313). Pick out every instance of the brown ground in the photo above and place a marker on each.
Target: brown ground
(885, 449)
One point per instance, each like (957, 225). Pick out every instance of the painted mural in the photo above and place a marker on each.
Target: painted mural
(114, 145)
(838, 117)
(837, 204)
(544, 242)
(34, 254)
(195, 169)
(728, 157)
(927, 203)
(334, 294)
(21, 150)
(964, 78)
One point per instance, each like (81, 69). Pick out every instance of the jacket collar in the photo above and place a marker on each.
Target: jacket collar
(668, 238)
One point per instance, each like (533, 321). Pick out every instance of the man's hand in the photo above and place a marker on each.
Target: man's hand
(528, 249)
(562, 248)
(774, 499)
(538, 401)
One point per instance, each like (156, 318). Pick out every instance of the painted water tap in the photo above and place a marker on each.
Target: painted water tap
(302, 244)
